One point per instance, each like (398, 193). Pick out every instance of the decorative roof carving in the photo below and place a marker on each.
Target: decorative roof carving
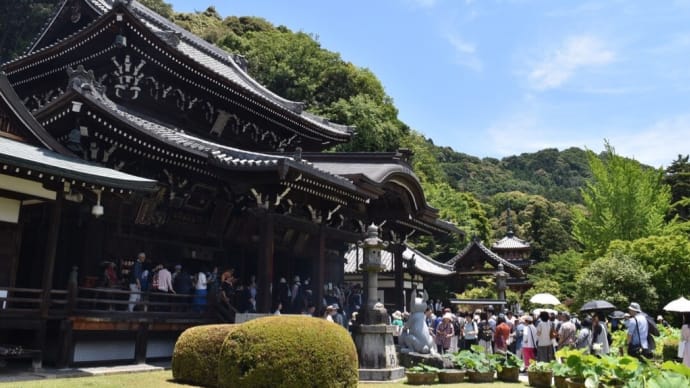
(241, 61)
(85, 81)
(170, 37)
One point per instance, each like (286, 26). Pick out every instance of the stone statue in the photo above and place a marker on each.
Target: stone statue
(415, 336)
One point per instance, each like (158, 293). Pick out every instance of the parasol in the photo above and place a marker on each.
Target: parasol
(544, 298)
(680, 305)
(597, 305)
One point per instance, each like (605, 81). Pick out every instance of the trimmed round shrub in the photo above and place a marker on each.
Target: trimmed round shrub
(288, 351)
(195, 358)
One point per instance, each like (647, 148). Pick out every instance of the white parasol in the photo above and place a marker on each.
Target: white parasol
(680, 305)
(544, 298)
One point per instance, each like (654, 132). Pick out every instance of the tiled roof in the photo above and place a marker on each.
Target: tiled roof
(41, 160)
(492, 257)
(229, 155)
(377, 172)
(223, 155)
(422, 263)
(510, 242)
(222, 63)
(9, 98)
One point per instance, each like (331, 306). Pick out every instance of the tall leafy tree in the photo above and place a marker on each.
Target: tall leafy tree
(678, 177)
(623, 201)
(664, 258)
(618, 279)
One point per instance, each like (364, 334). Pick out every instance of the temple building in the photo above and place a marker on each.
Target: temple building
(122, 133)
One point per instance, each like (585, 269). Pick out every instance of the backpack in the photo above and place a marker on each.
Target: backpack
(553, 333)
(651, 325)
(457, 328)
(485, 332)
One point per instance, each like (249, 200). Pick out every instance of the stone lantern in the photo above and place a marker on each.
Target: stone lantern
(501, 282)
(373, 334)
(372, 246)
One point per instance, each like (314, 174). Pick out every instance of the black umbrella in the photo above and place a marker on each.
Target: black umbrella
(597, 305)
(617, 315)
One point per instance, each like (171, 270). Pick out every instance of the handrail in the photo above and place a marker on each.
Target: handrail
(90, 301)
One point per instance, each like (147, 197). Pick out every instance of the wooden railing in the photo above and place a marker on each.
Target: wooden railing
(29, 303)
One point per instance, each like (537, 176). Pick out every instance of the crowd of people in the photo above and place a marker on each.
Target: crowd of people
(536, 337)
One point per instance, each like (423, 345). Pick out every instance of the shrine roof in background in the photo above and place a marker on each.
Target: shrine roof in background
(475, 246)
(422, 262)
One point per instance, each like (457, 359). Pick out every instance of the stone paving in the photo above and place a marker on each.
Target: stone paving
(22, 372)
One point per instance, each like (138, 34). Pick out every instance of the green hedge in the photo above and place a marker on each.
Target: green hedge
(288, 351)
(195, 358)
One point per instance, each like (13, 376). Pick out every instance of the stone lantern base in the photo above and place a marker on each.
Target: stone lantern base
(378, 360)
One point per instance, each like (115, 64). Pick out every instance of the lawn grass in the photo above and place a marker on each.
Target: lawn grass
(163, 379)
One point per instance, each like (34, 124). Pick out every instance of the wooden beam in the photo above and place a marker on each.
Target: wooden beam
(313, 228)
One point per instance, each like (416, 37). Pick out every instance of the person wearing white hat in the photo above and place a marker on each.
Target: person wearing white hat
(444, 333)
(397, 322)
(638, 329)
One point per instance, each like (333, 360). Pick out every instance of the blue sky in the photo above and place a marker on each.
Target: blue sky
(501, 77)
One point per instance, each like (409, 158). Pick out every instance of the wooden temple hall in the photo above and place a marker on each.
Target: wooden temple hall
(121, 133)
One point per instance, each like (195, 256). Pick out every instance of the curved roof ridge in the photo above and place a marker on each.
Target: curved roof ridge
(51, 45)
(45, 27)
(213, 50)
(21, 113)
(492, 255)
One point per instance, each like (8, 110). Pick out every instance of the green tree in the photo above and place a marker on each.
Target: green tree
(21, 21)
(377, 130)
(678, 177)
(160, 7)
(664, 258)
(617, 279)
(623, 201)
(560, 268)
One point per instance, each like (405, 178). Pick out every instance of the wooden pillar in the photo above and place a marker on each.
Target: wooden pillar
(265, 264)
(141, 343)
(320, 267)
(66, 346)
(399, 299)
(51, 248)
(49, 266)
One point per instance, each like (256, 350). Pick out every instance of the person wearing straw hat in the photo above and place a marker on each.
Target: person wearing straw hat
(444, 333)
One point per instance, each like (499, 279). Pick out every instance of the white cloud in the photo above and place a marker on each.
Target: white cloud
(656, 145)
(575, 53)
(465, 52)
